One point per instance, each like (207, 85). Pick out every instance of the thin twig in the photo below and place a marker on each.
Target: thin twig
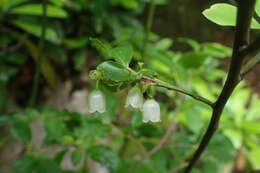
(250, 65)
(164, 139)
(160, 83)
(36, 81)
(176, 170)
(244, 17)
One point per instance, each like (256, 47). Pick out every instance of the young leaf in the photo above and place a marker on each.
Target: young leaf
(122, 54)
(225, 14)
(37, 10)
(114, 71)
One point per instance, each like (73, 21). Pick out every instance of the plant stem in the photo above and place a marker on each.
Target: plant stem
(160, 83)
(244, 17)
(36, 82)
(148, 27)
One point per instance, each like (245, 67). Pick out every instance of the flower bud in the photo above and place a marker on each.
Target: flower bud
(134, 98)
(96, 102)
(151, 111)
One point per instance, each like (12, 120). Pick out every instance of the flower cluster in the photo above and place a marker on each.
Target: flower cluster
(150, 108)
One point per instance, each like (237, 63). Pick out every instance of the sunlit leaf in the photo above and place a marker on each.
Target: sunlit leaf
(122, 54)
(225, 14)
(257, 7)
(37, 9)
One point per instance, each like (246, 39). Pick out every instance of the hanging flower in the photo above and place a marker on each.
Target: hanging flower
(151, 111)
(134, 98)
(96, 102)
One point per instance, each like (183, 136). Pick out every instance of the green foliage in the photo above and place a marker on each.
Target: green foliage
(225, 15)
(105, 156)
(106, 35)
(21, 128)
(36, 9)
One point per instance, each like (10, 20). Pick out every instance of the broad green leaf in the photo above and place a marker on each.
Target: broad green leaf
(20, 128)
(225, 14)
(252, 127)
(257, 7)
(76, 156)
(37, 10)
(44, 165)
(254, 154)
(101, 46)
(92, 126)
(24, 164)
(192, 59)
(55, 128)
(36, 29)
(216, 50)
(114, 71)
(105, 156)
(164, 44)
(122, 54)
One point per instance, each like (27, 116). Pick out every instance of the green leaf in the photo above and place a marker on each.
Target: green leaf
(75, 43)
(76, 156)
(20, 128)
(216, 50)
(114, 71)
(105, 156)
(54, 128)
(148, 72)
(257, 7)
(136, 119)
(44, 165)
(101, 46)
(92, 126)
(37, 10)
(7, 4)
(36, 29)
(192, 59)
(24, 164)
(122, 54)
(225, 14)
(164, 44)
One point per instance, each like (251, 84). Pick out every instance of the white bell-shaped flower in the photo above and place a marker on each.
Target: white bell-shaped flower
(96, 102)
(151, 111)
(134, 98)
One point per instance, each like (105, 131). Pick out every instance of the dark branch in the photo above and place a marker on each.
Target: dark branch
(244, 16)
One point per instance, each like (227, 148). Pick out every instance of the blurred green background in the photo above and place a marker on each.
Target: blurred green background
(56, 134)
